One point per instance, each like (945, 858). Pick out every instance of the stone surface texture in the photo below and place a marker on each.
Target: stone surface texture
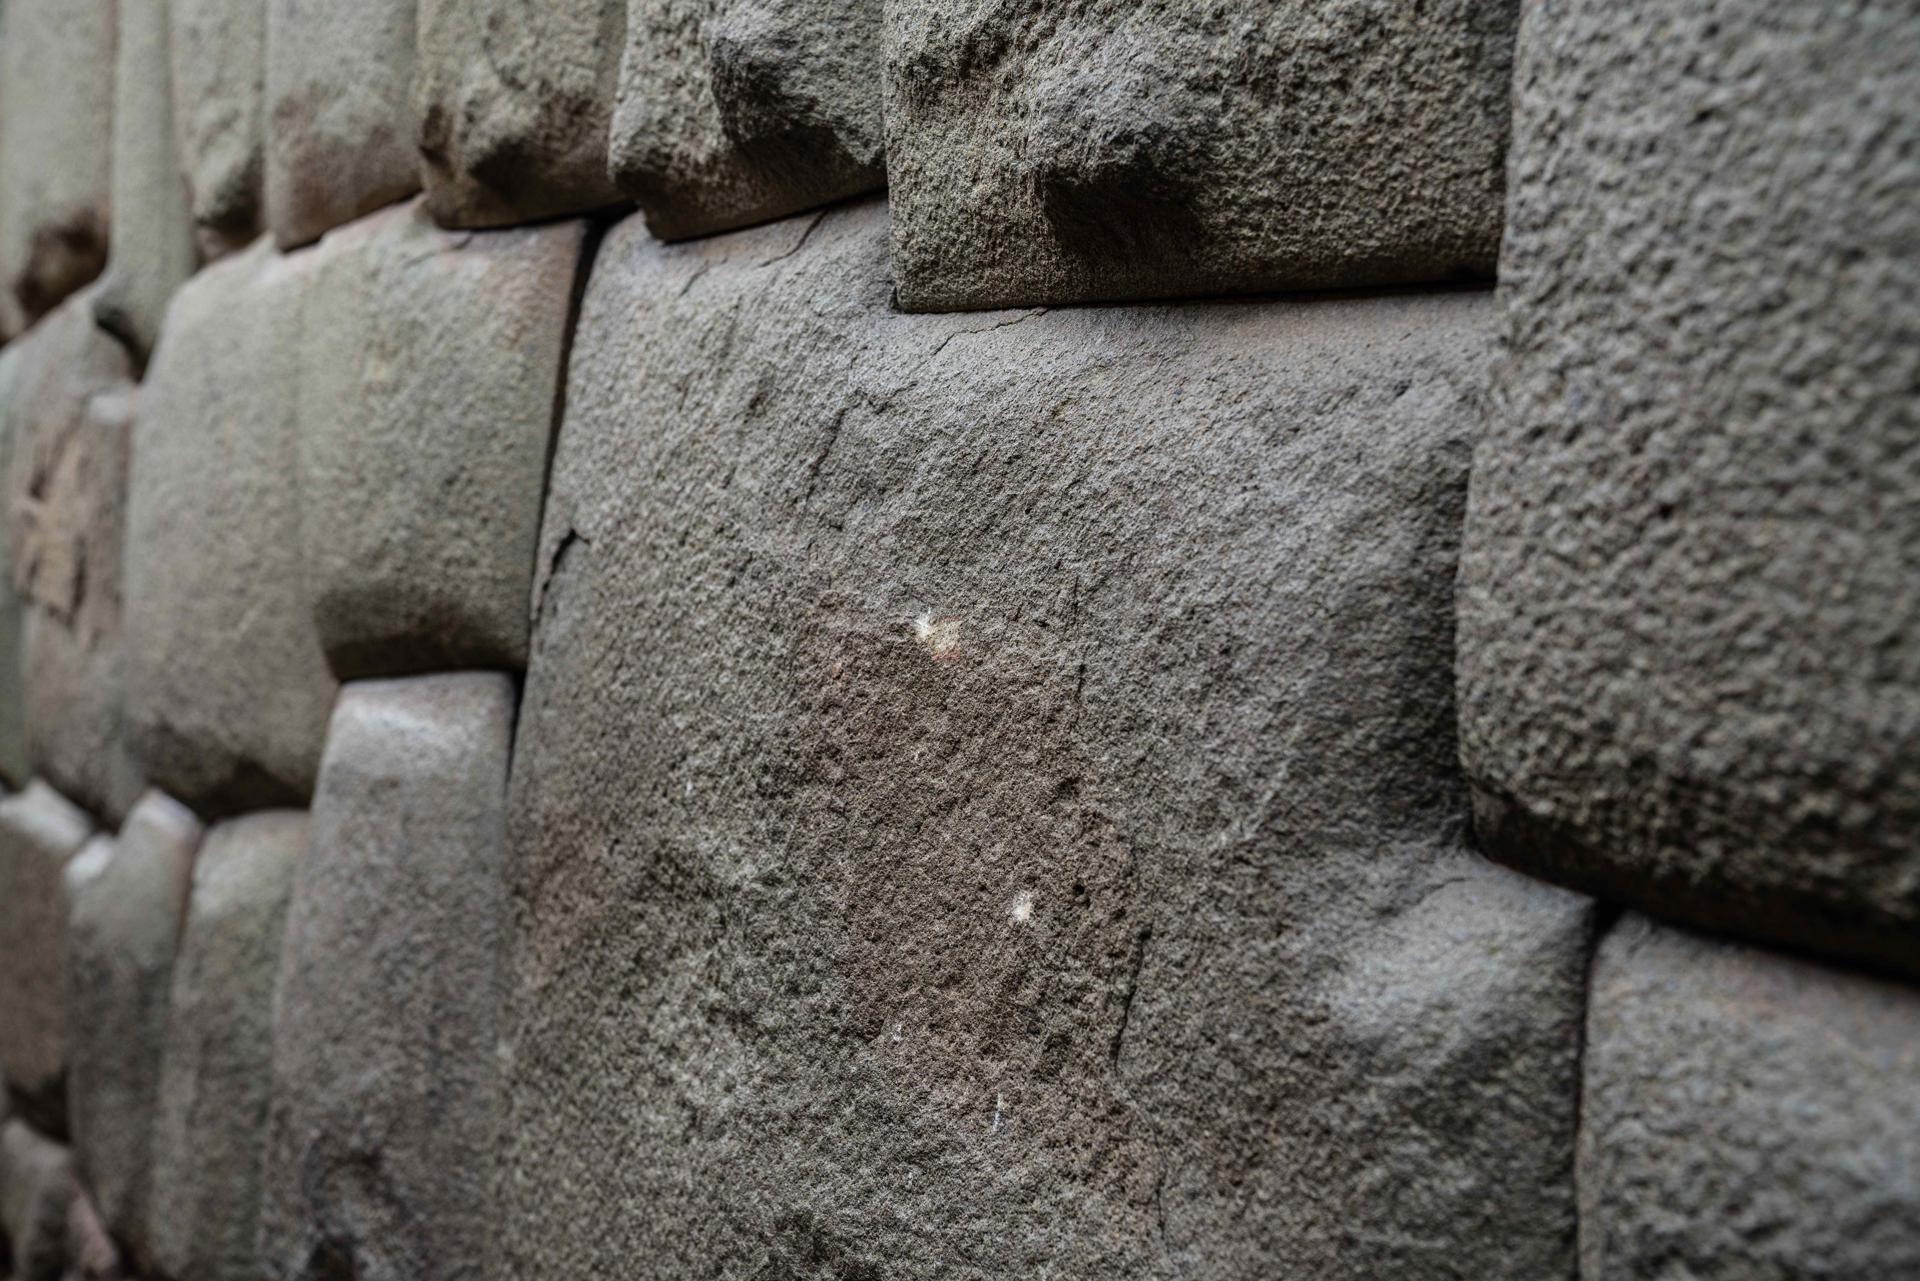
(732, 112)
(340, 129)
(515, 103)
(36, 1192)
(219, 56)
(210, 1129)
(381, 1137)
(1043, 153)
(1689, 624)
(1747, 1116)
(430, 367)
(227, 690)
(14, 766)
(121, 938)
(40, 832)
(985, 802)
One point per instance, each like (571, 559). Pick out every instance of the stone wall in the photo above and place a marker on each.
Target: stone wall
(888, 639)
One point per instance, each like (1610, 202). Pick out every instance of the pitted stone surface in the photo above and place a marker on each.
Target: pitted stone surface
(985, 801)
(731, 112)
(1689, 629)
(40, 832)
(121, 938)
(219, 90)
(36, 1192)
(1747, 1116)
(514, 104)
(210, 1131)
(429, 369)
(227, 690)
(340, 129)
(385, 1033)
(1042, 153)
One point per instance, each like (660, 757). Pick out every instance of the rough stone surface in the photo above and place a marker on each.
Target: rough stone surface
(55, 160)
(1689, 629)
(1747, 1116)
(36, 1191)
(985, 799)
(40, 832)
(219, 87)
(731, 112)
(429, 372)
(1041, 153)
(210, 1133)
(385, 1028)
(227, 690)
(121, 938)
(514, 103)
(14, 766)
(340, 130)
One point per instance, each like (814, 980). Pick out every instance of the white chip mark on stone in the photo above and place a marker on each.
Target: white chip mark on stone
(1022, 910)
(941, 636)
(999, 1107)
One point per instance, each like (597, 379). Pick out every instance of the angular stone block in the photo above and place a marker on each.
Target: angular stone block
(1110, 150)
(1689, 638)
(340, 128)
(227, 690)
(56, 130)
(210, 1130)
(732, 112)
(14, 767)
(1747, 1116)
(986, 791)
(429, 371)
(514, 106)
(386, 1019)
(219, 89)
(36, 1193)
(121, 938)
(40, 832)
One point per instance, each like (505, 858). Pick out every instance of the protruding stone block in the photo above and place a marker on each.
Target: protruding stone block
(732, 112)
(227, 690)
(986, 790)
(121, 938)
(1747, 1116)
(385, 1032)
(1039, 153)
(219, 88)
(430, 366)
(210, 1133)
(37, 1191)
(1689, 634)
(40, 832)
(514, 104)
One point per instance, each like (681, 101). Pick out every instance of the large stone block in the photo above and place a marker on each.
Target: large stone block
(985, 797)
(1747, 1116)
(209, 1134)
(514, 106)
(227, 690)
(340, 129)
(732, 112)
(219, 88)
(1039, 153)
(36, 1193)
(429, 375)
(56, 130)
(40, 832)
(14, 767)
(386, 1018)
(121, 938)
(1689, 635)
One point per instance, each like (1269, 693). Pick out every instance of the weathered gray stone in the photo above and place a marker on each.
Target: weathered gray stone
(56, 127)
(219, 88)
(1747, 1116)
(340, 128)
(14, 767)
(153, 247)
(1039, 153)
(1689, 624)
(985, 798)
(514, 104)
(91, 1252)
(36, 1190)
(731, 112)
(385, 1022)
(227, 690)
(40, 832)
(429, 371)
(210, 1132)
(121, 937)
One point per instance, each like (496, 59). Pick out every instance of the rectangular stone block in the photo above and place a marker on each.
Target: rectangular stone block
(40, 832)
(386, 1034)
(219, 60)
(985, 797)
(1041, 153)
